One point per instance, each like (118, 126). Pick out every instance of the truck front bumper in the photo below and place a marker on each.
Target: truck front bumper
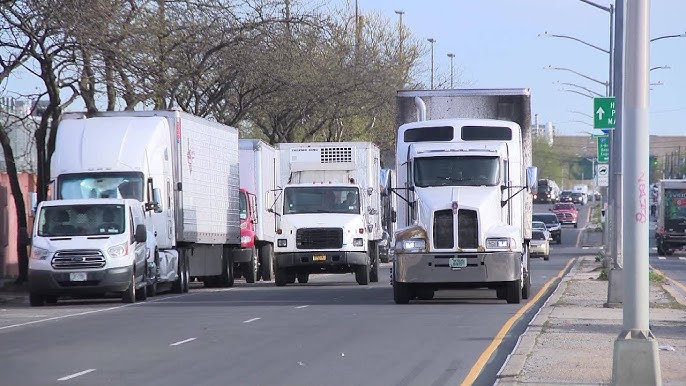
(434, 268)
(58, 283)
(320, 260)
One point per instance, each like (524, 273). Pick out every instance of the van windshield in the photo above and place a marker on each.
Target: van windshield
(100, 185)
(455, 171)
(333, 199)
(81, 220)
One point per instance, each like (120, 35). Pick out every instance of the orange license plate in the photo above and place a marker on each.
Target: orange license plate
(319, 258)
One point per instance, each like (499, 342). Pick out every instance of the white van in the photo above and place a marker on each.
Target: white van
(88, 247)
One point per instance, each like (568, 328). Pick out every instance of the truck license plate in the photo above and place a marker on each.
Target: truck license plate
(319, 258)
(78, 276)
(457, 262)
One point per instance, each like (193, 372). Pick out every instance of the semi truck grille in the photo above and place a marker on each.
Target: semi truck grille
(467, 229)
(443, 229)
(311, 238)
(78, 259)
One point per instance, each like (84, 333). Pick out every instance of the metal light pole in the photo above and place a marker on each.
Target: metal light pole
(606, 84)
(432, 41)
(400, 35)
(451, 56)
(636, 358)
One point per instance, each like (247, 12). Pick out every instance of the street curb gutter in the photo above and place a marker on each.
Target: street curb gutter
(514, 364)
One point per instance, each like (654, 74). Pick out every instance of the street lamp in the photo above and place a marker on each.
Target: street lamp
(580, 87)
(545, 34)
(451, 56)
(400, 35)
(576, 92)
(668, 37)
(606, 84)
(432, 41)
(580, 113)
(660, 68)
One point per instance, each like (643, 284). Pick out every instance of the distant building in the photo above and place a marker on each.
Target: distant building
(546, 131)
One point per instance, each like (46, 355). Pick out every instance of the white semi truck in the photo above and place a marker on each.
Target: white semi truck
(184, 168)
(670, 233)
(463, 176)
(330, 211)
(259, 173)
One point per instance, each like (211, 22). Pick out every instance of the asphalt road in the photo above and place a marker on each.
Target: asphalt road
(330, 331)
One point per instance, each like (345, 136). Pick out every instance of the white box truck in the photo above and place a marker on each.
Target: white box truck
(463, 176)
(330, 211)
(184, 168)
(670, 233)
(259, 176)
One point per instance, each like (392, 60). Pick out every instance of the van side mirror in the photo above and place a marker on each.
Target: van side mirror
(141, 234)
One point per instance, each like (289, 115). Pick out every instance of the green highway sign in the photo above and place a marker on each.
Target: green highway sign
(604, 113)
(603, 149)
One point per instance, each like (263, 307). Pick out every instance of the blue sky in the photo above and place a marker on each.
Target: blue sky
(496, 44)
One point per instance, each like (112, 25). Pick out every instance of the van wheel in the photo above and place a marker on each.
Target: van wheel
(266, 265)
(303, 277)
(36, 300)
(141, 294)
(362, 274)
(401, 292)
(514, 291)
(129, 296)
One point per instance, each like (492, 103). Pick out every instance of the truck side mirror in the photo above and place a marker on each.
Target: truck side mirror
(141, 234)
(394, 216)
(155, 204)
(531, 177)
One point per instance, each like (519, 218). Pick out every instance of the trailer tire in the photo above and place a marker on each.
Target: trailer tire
(266, 262)
(250, 268)
(374, 261)
(362, 274)
(187, 273)
(280, 278)
(514, 291)
(303, 277)
(401, 292)
(226, 278)
(36, 300)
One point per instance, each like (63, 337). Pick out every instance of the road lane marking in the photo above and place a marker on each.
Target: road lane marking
(682, 258)
(182, 342)
(301, 307)
(662, 257)
(251, 320)
(676, 283)
(80, 373)
(500, 336)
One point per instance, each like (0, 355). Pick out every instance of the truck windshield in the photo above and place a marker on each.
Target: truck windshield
(326, 199)
(456, 171)
(243, 206)
(81, 220)
(675, 207)
(100, 185)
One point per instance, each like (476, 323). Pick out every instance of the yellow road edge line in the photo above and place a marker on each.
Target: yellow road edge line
(486, 355)
(672, 281)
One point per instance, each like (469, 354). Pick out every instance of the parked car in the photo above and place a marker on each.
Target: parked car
(579, 198)
(540, 226)
(566, 196)
(566, 213)
(540, 245)
(552, 223)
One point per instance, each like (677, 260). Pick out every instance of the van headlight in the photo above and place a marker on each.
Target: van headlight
(501, 243)
(411, 245)
(119, 250)
(39, 253)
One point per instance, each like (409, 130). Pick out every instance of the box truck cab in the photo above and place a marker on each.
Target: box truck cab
(670, 234)
(88, 247)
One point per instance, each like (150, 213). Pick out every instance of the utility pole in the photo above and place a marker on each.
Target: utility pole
(432, 41)
(451, 56)
(636, 357)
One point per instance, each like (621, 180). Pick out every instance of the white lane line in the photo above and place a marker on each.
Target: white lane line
(80, 373)
(251, 320)
(65, 316)
(662, 258)
(682, 258)
(301, 307)
(182, 342)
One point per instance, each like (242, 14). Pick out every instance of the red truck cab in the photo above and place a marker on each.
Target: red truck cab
(566, 213)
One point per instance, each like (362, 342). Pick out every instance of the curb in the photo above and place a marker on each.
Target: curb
(514, 364)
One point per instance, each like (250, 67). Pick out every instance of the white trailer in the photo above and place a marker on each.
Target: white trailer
(330, 211)
(259, 175)
(184, 168)
(464, 220)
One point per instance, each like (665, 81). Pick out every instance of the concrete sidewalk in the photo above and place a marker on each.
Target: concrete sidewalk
(571, 340)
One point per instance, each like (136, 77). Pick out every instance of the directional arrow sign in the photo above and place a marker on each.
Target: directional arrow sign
(604, 113)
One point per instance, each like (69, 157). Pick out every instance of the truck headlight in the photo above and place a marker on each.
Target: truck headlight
(281, 243)
(245, 239)
(119, 250)
(358, 242)
(502, 243)
(411, 245)
(39, 253)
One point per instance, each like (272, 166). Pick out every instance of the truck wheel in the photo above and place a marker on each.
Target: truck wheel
(526, 288)
(374, 261)
(36, 300)
(514, 292)
(501, 292)
(546, 257)
(266, 258)
(250, 268)
(50, 299)
(660, 249)
(425, 293)
(290, 277)
(362, 274)
(177, 286)
(575, 224)
(559, 239)
(669, 252)
(280, 277)
(303, 277)
(226, 278)
(186, 273)
(129, 296)
(401, 292)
